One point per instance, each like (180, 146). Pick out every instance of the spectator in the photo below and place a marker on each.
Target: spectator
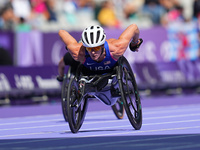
(70, 8)
(23, 15)
(187, 9)
(168, 4)
(131, 8)
(196, 9)
(85, 3)
(154, 10)
(23, 26)
(39, 8)
(50, 5)
(106, 16)
(39, 14)
(17, 8)
(2, 3)
(173, 12)
(196, 15)
(7, 18)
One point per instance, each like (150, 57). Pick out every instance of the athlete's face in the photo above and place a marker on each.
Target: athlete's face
(95, 52)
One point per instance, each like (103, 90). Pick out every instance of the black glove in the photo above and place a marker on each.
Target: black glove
(59, 78)
(133, 48)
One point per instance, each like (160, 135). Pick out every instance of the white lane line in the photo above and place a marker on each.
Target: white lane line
(31, 117)
(171, 107)
(146, 111)
(52, 115)
(172, 116)
(88, 116)
(99, 122)
(152, 110)
(104, 116)
(150, 118)
(35, 127)
(147, 131)
(34, 133)
(166, 110)
(28, 122)
(172, 122)
(97, 135)
(50, 126)
(53, 120)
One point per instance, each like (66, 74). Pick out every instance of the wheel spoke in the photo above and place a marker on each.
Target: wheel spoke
(128, 89)
(131, 104)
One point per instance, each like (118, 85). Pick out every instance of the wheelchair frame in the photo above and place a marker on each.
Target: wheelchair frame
(115, 88)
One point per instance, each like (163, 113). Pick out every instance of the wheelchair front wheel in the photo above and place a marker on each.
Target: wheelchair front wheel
(118, 109)
(76, 106)
(130, 94)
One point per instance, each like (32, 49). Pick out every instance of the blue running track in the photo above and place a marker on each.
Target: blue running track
(169, 123)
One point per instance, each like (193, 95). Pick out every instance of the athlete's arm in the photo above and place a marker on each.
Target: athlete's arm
(75, 49)
(118, 46)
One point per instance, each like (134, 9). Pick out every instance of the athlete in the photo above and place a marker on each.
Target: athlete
(95, 52)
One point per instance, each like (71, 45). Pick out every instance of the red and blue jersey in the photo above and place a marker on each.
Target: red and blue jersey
(107, 64)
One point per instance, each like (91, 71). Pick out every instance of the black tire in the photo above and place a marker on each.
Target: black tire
(75, 114)
(129, 93)
(118, 109)
(64, 93)
(64, 98)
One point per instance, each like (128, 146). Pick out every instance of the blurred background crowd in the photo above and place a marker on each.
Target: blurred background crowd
(179, 18)
(52, 15)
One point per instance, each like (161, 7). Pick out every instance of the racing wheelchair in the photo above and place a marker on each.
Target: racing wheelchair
(116, 88)
(118, 107)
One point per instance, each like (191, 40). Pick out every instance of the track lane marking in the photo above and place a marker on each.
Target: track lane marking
(96, 117)
(160, 123)
(176, 108)
(97, 135)
(147, 131)
(49, 126)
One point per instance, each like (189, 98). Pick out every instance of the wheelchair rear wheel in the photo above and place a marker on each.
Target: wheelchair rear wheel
(76, 105)
(118, 109)
(130, 94)
(64, 93)
(64, 98)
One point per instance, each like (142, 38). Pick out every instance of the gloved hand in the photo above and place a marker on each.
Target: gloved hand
(135, 48)
(59, 78)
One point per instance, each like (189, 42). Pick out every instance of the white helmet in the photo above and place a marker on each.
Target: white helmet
(93, 36)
